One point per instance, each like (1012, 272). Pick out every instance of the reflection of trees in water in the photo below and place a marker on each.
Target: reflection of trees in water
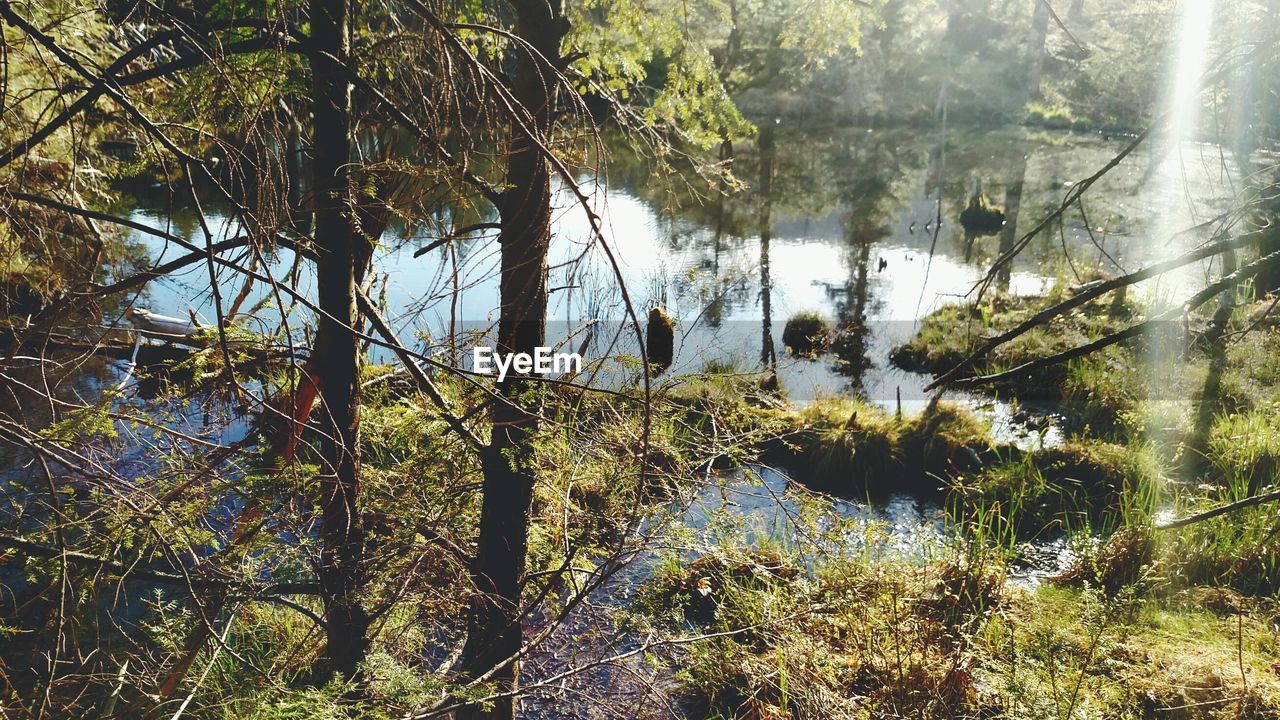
(861, 175)
(872, 179)
(721, 294)
(1012, 205)
(765, 143)
(871, 204)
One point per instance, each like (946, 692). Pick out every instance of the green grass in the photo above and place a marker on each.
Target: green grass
(850, 448)
(841, 637)
(1058, 653)
(1082, 485)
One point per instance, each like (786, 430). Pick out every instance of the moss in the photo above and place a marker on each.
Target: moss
(1099, 392)
(807, 333)
(1111, 393)
(735, 411)
(946, 439)
(1103, 394)
(850, 448)
(843, 444)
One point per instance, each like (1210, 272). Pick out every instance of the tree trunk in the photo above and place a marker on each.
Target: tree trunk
(1036, 47)
(336, 356)
(494, 635)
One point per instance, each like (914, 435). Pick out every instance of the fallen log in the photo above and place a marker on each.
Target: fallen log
(165, 327)
(116, 344)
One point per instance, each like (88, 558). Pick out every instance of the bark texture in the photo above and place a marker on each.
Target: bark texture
(336, 356)
(494, 636)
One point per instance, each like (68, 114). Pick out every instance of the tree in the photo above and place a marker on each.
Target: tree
(1036, 47)
(342, 257)
(494, 639)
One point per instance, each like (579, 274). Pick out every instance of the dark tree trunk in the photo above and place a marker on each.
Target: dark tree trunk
(495, 626)
(336, 356)
(1036, 48)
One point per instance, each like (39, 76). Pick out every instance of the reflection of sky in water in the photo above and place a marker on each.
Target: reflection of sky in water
(714, 286)
(899, 525)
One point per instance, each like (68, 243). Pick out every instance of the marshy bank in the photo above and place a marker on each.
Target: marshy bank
(812, 616)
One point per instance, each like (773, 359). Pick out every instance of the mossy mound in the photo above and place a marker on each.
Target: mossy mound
(722, 403)
(1108, 393)
(1098, 391)
(807, 333)
(951, 333)
(1205, 562)
(849, 448)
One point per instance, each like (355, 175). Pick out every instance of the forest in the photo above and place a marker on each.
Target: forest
(640, 359)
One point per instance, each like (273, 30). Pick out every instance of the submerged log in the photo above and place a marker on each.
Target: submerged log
(117, 344)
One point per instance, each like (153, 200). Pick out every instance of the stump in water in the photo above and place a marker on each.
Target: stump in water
(660, 341)
(806, 333)
(981, 217)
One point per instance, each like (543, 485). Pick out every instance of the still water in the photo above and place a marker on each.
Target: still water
(849, 228)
